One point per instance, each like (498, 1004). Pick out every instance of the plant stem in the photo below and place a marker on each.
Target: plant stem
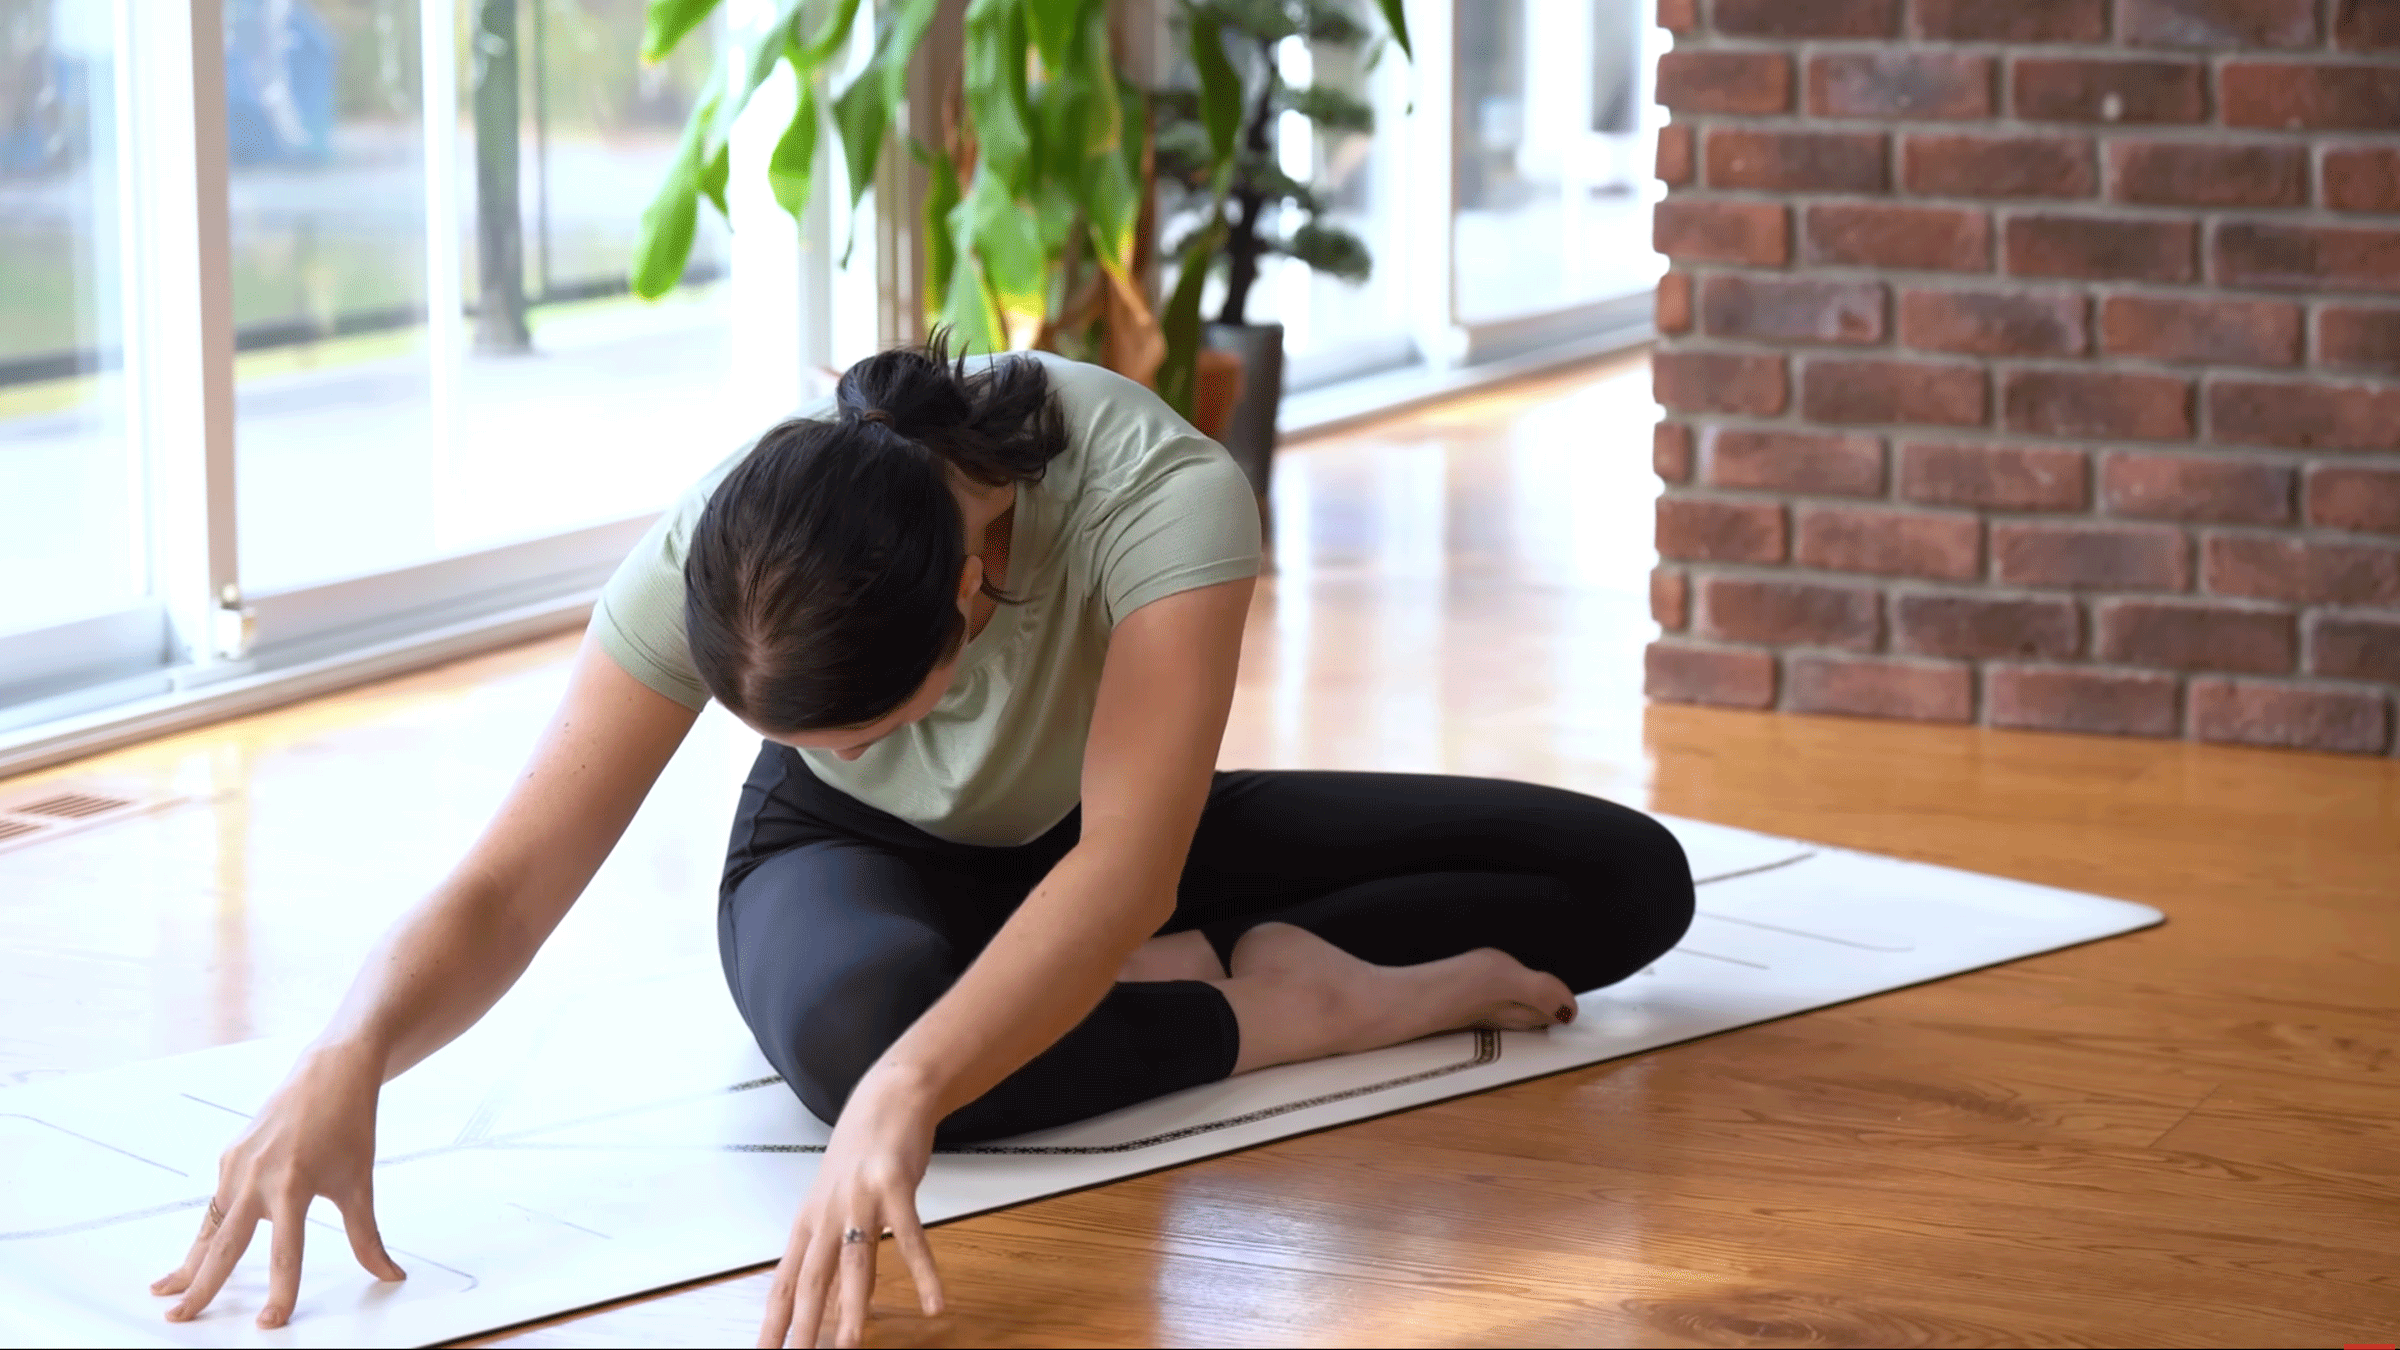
(1242, 249)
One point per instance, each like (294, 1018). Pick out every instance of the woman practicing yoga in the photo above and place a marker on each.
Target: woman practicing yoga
(984, 878)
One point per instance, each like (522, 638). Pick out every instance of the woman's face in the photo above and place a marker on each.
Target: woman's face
(848, 743)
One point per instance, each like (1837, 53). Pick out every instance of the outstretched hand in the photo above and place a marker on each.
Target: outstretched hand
(316, 1136)
(866, 1187)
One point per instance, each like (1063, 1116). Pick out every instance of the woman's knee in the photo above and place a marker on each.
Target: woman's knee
(1632, 878)
(823, 1019)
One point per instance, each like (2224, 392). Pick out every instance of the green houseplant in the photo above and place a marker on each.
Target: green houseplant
(1242, 207)
(1035, 221)
(1036, 190)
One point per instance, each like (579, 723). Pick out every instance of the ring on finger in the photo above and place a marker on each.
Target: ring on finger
(216, 1216)
(851, 1235)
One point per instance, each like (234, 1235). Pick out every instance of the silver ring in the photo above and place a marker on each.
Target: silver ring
(851, 1235)
(216, 1216)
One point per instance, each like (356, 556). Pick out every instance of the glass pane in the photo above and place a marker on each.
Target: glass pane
(1335, 327)
(69, 487)
(335, 433)
(596, 405)
(1550, 161)
(573, 403)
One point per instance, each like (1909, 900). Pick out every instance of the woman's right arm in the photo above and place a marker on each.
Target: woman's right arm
(439, 969)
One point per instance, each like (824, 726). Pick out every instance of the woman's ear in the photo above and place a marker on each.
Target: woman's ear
(970, 580)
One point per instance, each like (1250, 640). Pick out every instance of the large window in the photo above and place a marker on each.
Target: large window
(1547, 156)
(544, 400)
(316, 352)
(71, 515)
(1505, 195)
(315, 336)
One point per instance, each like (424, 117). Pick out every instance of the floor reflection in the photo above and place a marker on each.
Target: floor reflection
(1462, 591)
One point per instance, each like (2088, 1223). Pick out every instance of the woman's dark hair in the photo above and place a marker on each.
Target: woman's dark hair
(821, 583)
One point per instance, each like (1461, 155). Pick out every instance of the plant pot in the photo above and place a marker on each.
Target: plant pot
(1216, 386)
(1249, 434)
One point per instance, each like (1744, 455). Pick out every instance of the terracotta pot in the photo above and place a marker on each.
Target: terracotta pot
(1249, 434)
(1216, 387)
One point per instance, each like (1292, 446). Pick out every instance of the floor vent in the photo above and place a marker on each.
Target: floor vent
(54, 812)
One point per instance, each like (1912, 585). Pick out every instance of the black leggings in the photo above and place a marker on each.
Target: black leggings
(840, 924)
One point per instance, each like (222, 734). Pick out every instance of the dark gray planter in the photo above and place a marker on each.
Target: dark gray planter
(1250, 432)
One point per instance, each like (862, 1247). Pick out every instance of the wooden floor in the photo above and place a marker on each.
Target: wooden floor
(2186, 1136)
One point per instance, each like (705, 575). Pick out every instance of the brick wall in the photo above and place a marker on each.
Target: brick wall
(2033, 363)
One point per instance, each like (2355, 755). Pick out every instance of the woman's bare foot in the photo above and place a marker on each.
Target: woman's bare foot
(1299, 997)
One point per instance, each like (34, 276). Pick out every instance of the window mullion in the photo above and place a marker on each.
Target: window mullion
(179, 322)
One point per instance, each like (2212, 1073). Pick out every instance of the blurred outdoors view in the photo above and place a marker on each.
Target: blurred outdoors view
(570, 403)
(340, 468)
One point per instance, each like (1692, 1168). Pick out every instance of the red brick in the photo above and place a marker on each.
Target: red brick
(2367, 25)
(2366, 338)
(2304, 415)
(2191, 487)
(1677, 672)
(1981, 627)
(1702, 529)
(2091, 557)
(1757, 233)
(1674, 162)
(1735, 382)
(1670, 597)
(2307, 257)
(2182, 173)
(1858, 687)
(2361, 178)
(2011, 20)
(2207, 331)
(1795, 161)
(1790, 461)
(1899, 83)
(2292, 716)
(1993, 477)
(1725, 82)
(1790, 613)
(1671, 451)
(1679, 16)
(1994, 323)
(2107, 702)
(2106, 404)
(2218, 23)
(2356, 647)
(2296, 571)
(1997, 166)
(1672, 307)
(2188, 635)
(2316, 96)
(1887, 541)
(2367, 500)
(1792, 309)
(1815, 18)
(1928, 238)
(2101, 248)
(2062, 90)
(1893, 391)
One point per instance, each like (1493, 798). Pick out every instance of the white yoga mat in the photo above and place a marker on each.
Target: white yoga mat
(631, 1137)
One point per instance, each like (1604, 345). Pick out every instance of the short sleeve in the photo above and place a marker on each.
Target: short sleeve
(639, 618)
(1191, 522)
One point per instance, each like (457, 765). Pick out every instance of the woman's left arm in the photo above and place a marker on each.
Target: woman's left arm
(1165, 691)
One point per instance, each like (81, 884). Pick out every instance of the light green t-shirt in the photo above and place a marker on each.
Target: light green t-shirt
(1138, 507)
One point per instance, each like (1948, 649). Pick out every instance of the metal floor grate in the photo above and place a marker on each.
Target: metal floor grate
(54, 812)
